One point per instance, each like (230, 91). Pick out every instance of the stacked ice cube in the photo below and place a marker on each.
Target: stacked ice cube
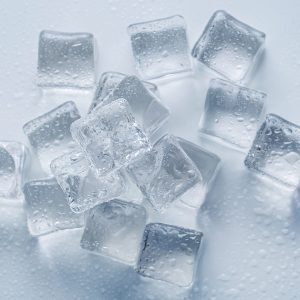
(90, 160)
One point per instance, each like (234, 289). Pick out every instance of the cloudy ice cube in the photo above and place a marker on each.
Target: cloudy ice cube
(166, 173)
(229, 46)
(47, 208)
(232, 113)
(160, 47)
(108, 82)
(115, 229)
(275, 151)
(49, 134)
(110, 137)
(13, 156)
(83, 187)
(169, 253)
(66, 60)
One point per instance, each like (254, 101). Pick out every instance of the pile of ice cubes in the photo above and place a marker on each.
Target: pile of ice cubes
(91, 161)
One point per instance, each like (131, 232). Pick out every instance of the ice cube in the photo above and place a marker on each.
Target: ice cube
(275, 151)
(232, 113)
(108, 82)
(13, 156)
(82, 185)
(160, 47)
(47, 208)
(115, 229)
(66, 60)
(228, 46)
(110, 137)
(169, 253)
(166, 173)
(49, 134)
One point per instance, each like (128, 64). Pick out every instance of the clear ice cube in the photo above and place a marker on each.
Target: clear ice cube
(110, 137)
(13, 156)
(66, 60)
(166, 173)
(115, 229)
(228, 46)
(82, 185)
(275, 151)
(160, 47)
(169, 253)
(108, 82)
(232, 113)
(49, 134)
(47, 208)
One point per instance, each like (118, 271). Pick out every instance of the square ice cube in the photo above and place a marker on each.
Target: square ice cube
(228, 46)
(160, 47)
(115, 229)
(110, 137)
(232, 113)
(82, 185)
(49, 134)
(275, 151)
(108, 82)
(66, 60)
(165, 173)
(47, 208)
(13, 156)
(169, 253)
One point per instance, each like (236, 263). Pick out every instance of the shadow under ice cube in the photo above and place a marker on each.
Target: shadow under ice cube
(169, 253)
(110, 137)
(115, 229)
(275, 151)
(13, 156)
(229, 46)
(160, 47)
(47, 208)
(66, 60)
(49, 134)
(232, 113)
(82, 185)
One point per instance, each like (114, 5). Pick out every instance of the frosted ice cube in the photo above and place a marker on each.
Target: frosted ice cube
(49, 134)
(13, 156)
(82, 185)
(228, 46)
(169, 253)
(232, 113)
(66, 60)
(275, 151)
(160, 47)
(115, 229)
(110, 137)
(166, 173)
(47, 208)
(108, 82)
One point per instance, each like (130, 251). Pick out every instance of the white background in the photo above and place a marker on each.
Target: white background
(252, 243)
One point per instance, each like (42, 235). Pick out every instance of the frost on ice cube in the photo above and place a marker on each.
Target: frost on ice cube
(228, 46)
(160, 47)
(13, 156)
(276, 150)
(145, 106)
(82, 185)
(49, 134)
(108, 82)
(115, 229)
(47, 208)
(166, 173)
(66, 60)
(169, 253)
(110, 137)
(232, 113)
